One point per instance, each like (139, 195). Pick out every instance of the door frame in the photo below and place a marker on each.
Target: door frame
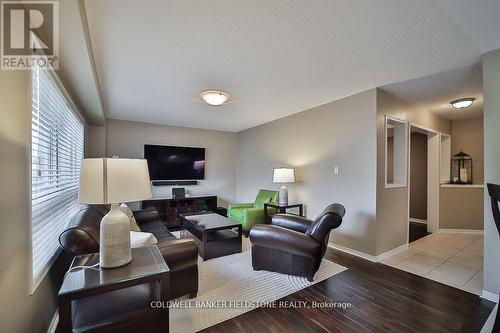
(433, 177)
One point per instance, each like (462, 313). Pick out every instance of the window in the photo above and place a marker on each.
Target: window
(57, 143)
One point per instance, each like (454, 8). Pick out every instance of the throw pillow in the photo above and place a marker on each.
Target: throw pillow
(142, 239)
(133, 223)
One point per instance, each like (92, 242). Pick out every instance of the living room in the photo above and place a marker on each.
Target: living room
(247, 144)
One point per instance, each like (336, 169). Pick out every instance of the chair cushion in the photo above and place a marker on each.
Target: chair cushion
(237, 213)
(142, 239)
(127, 211)
(158, 229)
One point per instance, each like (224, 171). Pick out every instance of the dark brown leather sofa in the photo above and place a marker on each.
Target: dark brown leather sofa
(292, 244)
(181, 255)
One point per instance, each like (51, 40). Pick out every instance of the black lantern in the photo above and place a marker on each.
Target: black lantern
(461, 169)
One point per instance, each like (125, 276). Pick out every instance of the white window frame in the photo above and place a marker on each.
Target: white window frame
(35, 281)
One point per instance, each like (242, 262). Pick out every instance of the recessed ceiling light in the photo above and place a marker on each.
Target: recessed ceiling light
(215, 97)
(462, 102)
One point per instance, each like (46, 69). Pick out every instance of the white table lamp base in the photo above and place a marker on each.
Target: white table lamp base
(283, 195)
(114, 249)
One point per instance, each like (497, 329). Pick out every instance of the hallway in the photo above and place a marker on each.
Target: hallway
(455, 259)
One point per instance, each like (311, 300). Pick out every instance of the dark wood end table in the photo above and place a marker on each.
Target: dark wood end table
(281, 209)
(131, 297)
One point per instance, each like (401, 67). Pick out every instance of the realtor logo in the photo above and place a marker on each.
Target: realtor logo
(29, 34)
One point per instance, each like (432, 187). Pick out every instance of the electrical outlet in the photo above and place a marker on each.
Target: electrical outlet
(336, 170)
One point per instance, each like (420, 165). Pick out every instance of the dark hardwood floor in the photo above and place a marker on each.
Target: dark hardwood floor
(384, 299)
(417, 231)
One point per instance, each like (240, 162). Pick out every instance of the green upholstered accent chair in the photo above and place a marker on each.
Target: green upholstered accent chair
(251, 213)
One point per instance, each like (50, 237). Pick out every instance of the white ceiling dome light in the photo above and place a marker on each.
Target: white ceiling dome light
(462, 102)
(215, 97)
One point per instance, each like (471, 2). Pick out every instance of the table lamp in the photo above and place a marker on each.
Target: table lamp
(283, 175)
(113, 181)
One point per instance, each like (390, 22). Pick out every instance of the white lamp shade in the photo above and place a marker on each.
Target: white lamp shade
(113, 180)
(283, 175)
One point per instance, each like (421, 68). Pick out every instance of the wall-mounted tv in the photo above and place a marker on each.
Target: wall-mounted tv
(175, 163)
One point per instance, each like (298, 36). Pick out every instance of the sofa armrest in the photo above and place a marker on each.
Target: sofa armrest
(253, 216)
(290, 221)
(251, 213)
(242, 205)
(179, 253)
(146, 215)
(286, 240)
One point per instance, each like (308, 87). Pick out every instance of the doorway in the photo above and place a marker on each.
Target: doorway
(418, 188)
(423, 182)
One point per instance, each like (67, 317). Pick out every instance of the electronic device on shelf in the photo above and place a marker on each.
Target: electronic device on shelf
(178, 192)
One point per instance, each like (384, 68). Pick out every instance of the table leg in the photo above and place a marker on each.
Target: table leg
(240, 233)
(64, 315)
(164, 286)
(204, 245)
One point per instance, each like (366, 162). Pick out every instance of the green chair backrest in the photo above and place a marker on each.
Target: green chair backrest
(265, 196)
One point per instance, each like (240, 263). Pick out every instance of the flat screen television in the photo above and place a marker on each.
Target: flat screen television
(175, 163)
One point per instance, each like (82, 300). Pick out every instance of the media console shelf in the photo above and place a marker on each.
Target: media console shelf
(170, 208)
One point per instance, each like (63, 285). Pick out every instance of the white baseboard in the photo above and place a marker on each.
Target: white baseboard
(489, 296)
(461, 231)
(352, 251)
(411, 219)
(366, 255)
(53, 324)
(392, 252)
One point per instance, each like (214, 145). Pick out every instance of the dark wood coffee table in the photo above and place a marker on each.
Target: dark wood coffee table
(215, 235)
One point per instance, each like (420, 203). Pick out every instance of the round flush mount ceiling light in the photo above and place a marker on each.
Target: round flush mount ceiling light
(215, 97)
(462, 102)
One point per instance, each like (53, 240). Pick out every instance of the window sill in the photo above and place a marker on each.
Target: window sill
(36, 281)
(395, 185)
(463, 186)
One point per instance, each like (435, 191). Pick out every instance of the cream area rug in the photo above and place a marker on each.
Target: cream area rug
(228, 287)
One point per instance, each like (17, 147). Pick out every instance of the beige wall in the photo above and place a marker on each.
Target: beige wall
(95, 141)
(491, 86)
(20, 312)
(461, 208)
(392, 203)
(127, 139)
(418, 176)
(340, 133)
(467, 136)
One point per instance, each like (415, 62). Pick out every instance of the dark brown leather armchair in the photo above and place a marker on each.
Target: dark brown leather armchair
(181, 255)
(292, 244)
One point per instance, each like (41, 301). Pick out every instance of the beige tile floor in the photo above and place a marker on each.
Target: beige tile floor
(450, 258)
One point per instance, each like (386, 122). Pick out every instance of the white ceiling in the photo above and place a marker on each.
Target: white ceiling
(275, 57)
(435, 92)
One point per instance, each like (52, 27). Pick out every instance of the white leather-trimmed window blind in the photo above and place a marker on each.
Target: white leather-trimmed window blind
(57, 148)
